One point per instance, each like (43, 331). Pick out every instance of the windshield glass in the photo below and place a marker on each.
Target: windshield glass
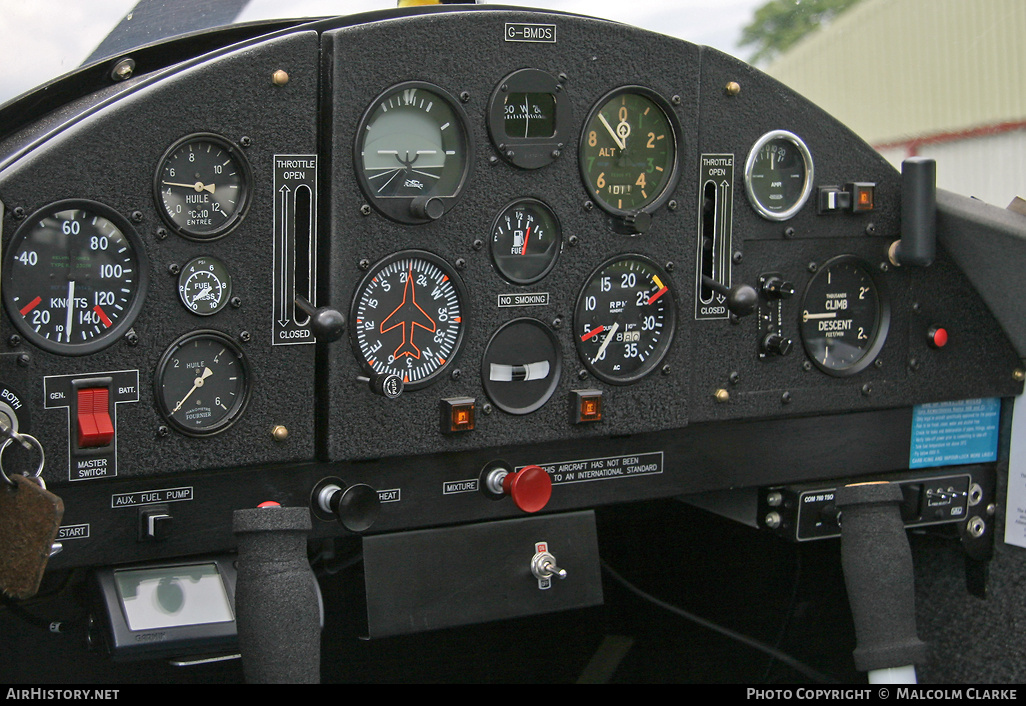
(933, 78)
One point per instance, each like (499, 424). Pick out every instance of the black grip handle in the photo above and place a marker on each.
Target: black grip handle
(277, 598)
(877, 563)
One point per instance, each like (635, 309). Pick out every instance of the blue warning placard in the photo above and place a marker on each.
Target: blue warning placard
(954, 433)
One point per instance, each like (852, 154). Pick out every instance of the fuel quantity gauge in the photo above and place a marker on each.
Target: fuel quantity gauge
(526, 241)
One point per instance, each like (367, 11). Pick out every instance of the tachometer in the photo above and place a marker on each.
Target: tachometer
(624, 319)
(844, 318)
(413, 152)
(628, 151)
(74, 277)
(408, 317)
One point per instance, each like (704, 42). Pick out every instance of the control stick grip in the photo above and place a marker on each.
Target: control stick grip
(277, 598)
(877, 563)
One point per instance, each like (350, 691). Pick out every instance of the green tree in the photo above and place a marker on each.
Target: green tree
(779, 24)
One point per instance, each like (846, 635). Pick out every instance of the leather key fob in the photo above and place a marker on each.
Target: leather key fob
(30, 516)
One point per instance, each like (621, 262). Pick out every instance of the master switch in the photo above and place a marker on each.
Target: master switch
(95, 428)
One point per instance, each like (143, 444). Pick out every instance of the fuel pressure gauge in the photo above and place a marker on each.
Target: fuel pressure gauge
(204, 285)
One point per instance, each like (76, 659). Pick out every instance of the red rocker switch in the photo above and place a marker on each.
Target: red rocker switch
(95, 428)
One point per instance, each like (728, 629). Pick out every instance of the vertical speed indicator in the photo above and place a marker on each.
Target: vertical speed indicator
(845, 316)
(408, 317)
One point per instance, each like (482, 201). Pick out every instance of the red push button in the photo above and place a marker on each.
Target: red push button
(95, 428)
(530, 488)
(937, 336)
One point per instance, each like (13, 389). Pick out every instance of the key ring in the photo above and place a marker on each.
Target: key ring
(32, 441)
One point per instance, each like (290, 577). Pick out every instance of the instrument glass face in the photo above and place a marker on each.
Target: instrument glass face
(204, 285)
(628, 151)
(202, 383)
(412, 146)
(624, 319)
(778, 175)
(202, 186)
(525, 241)
(74, 277)
(844, 318)
(408, 317)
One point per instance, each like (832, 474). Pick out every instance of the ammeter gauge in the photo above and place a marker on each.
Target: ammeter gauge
(624, 319)
(778, 175)
(412, 152)
(202, 186)
(408, 317)
(628, 151)
(74, 277)
(844, 317)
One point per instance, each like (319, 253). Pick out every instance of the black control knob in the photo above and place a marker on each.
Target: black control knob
(355, 506)
(326, 324)
(776, 344)
(777, 287)
(427, 207)
(741, 298)
(387, 385)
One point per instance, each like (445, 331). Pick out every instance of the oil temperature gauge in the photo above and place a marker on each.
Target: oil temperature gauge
(204, 285)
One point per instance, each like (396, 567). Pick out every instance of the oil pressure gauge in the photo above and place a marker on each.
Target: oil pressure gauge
(202, 383)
